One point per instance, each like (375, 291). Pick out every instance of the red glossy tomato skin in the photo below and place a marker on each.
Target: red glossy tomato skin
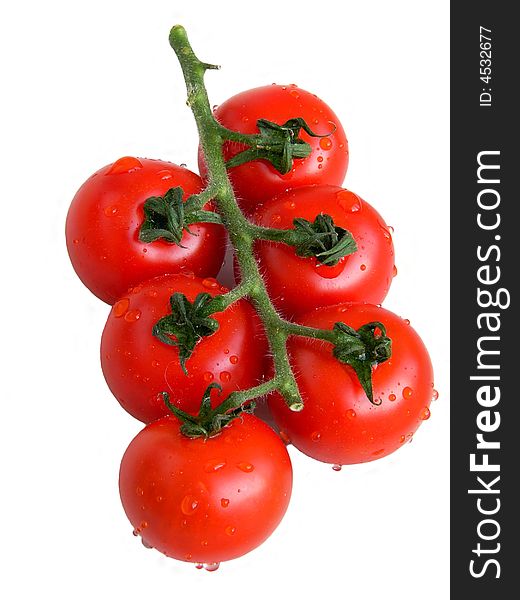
(338, 424)
(201, 500)
(103, 224)
(297, 285)
(258, 181)
(137, 366)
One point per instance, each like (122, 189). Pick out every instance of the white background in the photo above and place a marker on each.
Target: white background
(87, 82)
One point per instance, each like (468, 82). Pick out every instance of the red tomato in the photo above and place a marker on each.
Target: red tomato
(258, 181)
(338, 424)
(297, 285)
(103, 227)
(137, 366)
(205, 500)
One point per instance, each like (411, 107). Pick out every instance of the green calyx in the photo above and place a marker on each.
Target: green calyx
(278, 144)
(209, 421)
(187, 323)
(167, 217)
(362, 349)
(323, 239)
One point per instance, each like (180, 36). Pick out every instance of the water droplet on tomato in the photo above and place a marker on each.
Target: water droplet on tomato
(275, 219)
(294, 94)
(155, 363)
(126, 164)
(407, 393)
(230, 530)
(435, 395)
(315, 436)
(378, 452)
(75, 241)
(225, 376)
(320, 159)
(402, 439)
(425, 414)
(189, 505)
(215, 106)
(348, 201)
(120, 307)
(392, 397)
(164, 174)
(204, 543)
(233, 359)
(110, 211)
(284, 437)
(213, 566)
(245, 119)
(351, 413)
(246, 467)
(336, 467)
(394, 271)
(132, 315)
(325, 143)
(143, 525)
(386, 233)
(212, 466)
(183, 165)
(409, 437)
(210, 283)
(224, 502)
(330, 272)
(362, 267)
(139, 491)
(208, 376)
(135, 532)
(198, 565)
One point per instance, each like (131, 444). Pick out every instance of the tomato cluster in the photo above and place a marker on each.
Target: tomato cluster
(168, 359)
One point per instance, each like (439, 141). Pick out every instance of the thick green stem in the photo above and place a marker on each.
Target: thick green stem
(240, 230)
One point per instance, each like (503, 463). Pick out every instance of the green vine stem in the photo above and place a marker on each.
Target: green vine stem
(320, 238)
(211, 136)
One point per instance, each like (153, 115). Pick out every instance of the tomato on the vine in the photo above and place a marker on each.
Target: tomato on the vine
(338, 423)
(103, 226)
(138, 366)
(205, 500)
(258, 181)
(297, 285)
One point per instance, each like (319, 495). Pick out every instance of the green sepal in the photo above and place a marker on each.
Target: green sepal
(209, 421)
(188, 322)
(167, 217)
(362, 349)
(278, 144)
(323, 239)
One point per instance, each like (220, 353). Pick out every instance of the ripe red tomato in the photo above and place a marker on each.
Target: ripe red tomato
(258, 181)
(103, 225)
(297, 285)
(338, 424)
(138, 366)
(205, 500)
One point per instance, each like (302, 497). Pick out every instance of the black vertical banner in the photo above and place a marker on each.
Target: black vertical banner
(485, 266)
